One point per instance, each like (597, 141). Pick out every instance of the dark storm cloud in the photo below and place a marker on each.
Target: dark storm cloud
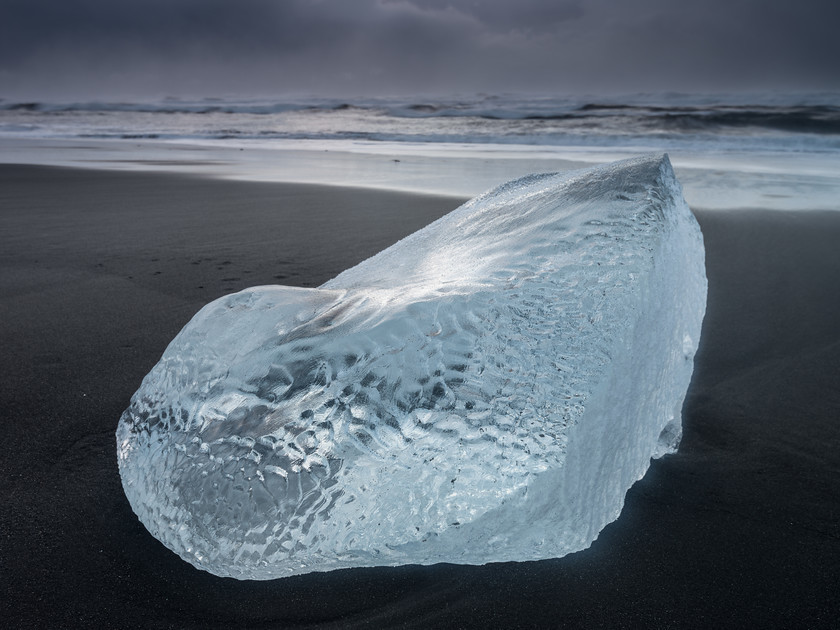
(161, 25)
(207, 46)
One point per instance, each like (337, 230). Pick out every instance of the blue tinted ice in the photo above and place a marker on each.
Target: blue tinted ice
(487, 389)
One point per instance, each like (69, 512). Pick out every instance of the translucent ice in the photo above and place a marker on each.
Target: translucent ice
(487, 389)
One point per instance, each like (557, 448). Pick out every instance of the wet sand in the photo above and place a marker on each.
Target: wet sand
(99, 270)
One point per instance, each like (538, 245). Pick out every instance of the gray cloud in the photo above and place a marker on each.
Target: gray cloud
(528, 16)
(363, 46)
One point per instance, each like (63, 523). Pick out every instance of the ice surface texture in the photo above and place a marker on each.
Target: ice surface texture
(487, 389)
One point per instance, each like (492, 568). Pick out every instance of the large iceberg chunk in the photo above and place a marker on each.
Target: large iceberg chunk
(487, 389)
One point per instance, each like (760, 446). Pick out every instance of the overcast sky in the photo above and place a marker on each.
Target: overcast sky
(101, 48)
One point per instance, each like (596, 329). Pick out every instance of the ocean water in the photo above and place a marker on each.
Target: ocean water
(730, 151)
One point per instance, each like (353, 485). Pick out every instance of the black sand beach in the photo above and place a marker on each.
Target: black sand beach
(99, 271)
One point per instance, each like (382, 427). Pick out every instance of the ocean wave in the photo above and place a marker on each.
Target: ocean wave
(675, 123)
(158, 108)
(819, 118)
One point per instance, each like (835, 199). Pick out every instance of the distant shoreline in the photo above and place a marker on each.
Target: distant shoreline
(714, 181)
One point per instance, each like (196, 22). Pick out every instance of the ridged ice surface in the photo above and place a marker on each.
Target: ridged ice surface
(487, 389)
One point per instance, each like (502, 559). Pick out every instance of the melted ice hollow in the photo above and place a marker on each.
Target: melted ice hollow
(487, 389)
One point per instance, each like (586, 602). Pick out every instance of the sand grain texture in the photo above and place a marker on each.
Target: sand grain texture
(100, 270)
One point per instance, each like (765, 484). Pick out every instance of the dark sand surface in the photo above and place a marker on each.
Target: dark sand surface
(99, 270)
